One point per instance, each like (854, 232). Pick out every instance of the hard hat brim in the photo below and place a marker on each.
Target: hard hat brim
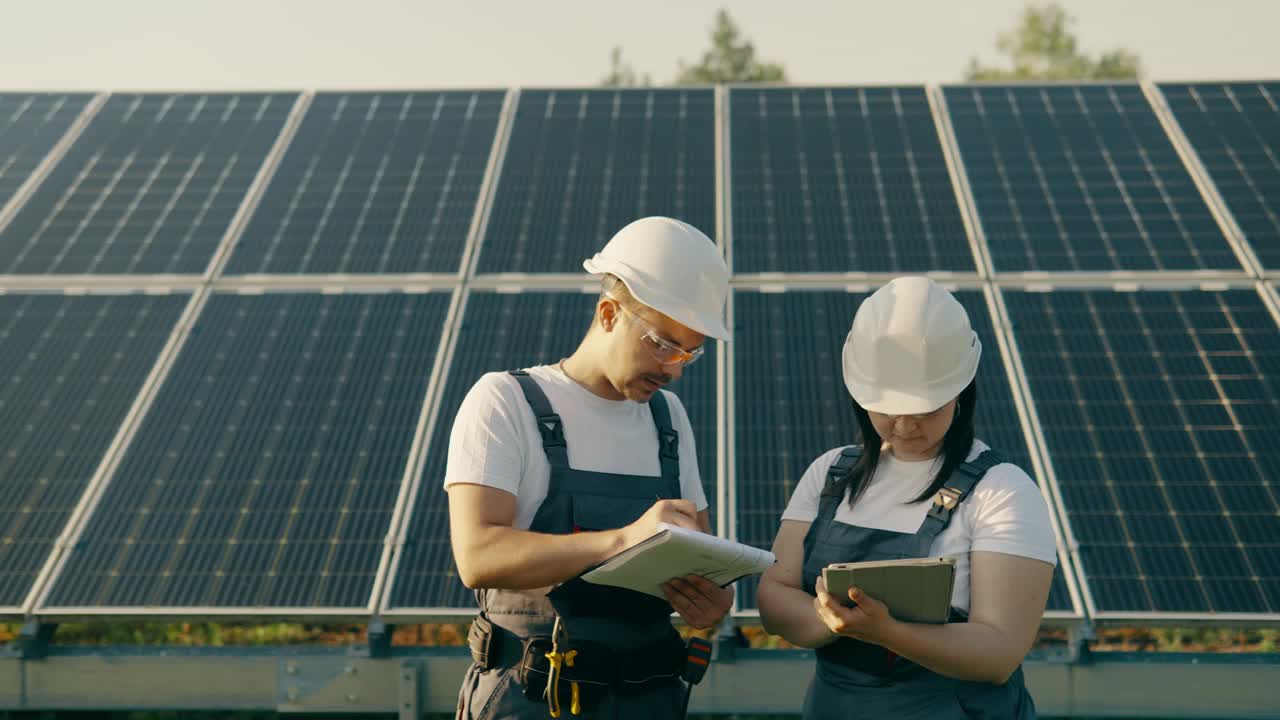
(916, 401)
(683, 314)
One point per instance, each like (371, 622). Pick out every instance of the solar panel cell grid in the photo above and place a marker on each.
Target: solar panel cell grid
(841, 180)
(1081, 178)
(1164, 472)
(581, 164)
(150, 186)
(73, 366)
(1235, 130)
(30, 126)
(374, 183)
(265, 473)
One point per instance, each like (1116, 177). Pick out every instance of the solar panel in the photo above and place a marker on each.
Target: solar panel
(792, 405)
(267, 469)
(1159, 410)
(1235, 129)
(1081, 178)
(73, 366)
(502, 331)
(581, 164)
(374, 183)
(149, 187)
(841, 180)
(30, 125)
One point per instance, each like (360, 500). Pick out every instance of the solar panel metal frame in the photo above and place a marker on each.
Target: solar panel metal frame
(1092, 277)
(55, 154)
(38, 608)
(955, 171)
(725, 517)
(1026, 420)
(1065, 529)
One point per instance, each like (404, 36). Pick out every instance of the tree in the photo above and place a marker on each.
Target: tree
(621, 74)
(1044, 48)
(732, 58)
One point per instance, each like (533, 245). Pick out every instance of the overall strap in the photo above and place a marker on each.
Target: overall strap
(549, 423)
(837, 482)
(952, 493)
(668, 440)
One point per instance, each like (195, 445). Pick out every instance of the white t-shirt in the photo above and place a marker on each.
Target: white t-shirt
(495, 439)
(1004, 513)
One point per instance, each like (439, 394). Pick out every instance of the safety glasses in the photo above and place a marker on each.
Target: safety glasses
(663, 350)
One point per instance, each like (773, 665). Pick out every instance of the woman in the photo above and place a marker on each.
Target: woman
(909, 363)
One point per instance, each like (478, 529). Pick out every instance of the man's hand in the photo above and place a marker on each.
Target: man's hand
(699, 601)
(680, 513)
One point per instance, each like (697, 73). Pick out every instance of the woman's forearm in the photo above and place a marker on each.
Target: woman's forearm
(788, 612)
(965, 651)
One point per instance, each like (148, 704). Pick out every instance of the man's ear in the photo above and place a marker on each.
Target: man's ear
(607, 313)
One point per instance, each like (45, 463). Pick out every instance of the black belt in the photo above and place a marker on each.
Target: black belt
(494, 646)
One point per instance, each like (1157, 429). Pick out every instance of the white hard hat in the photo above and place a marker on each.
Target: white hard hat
(911, 349)
(671, 267)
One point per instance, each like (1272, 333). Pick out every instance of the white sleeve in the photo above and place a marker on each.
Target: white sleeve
(1010, 516)
(486, 445)
(690, 478)
(804, 501)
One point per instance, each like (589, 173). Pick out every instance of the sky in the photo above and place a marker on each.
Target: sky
(366, 44)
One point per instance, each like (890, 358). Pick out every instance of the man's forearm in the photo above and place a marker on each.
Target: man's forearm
(502, 557)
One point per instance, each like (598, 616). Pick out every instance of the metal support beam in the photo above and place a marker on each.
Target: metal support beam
(413, 682)
(409, 697)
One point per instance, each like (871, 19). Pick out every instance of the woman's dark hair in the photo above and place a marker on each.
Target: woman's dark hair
(955, 446)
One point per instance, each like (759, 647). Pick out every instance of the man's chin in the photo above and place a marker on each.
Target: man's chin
(641, 392)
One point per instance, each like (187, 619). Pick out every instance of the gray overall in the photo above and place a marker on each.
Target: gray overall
(630, 657)
(856, 679)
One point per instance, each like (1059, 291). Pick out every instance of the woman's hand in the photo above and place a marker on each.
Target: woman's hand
(868, 620)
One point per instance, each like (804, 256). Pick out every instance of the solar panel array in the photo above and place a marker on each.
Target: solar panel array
(238, 325)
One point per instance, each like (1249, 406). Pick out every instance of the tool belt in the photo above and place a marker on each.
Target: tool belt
(590, 670)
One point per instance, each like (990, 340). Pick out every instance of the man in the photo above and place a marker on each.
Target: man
(554, 469)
